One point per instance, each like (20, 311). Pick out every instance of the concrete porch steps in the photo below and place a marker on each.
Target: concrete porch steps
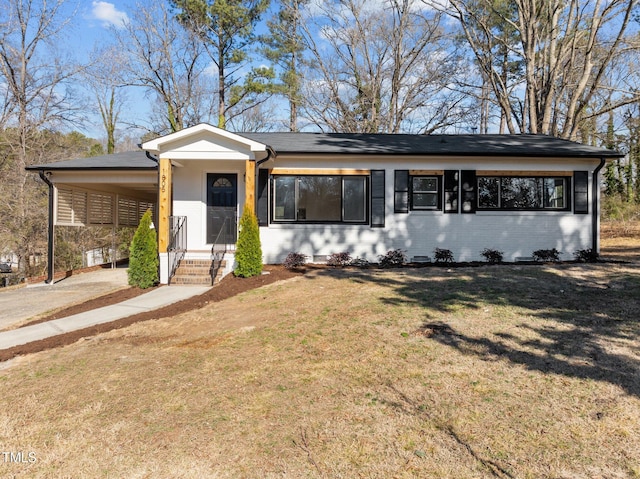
(197, 272)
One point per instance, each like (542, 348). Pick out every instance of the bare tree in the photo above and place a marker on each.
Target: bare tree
(103, 79)
(38, 97)
(160, 56)
(384, 69)
(259, 118)
(566, 49)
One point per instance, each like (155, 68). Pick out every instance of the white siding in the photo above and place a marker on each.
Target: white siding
(517, 234)
(190, 197)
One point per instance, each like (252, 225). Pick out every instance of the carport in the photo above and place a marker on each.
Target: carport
(110, 190)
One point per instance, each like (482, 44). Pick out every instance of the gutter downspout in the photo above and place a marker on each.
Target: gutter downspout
(51, 241)
(271, 153)
(157, 162)
(150, 156)
(155, 216)
(595, 193)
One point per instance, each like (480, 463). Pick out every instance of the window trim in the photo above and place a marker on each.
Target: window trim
(297, 175)
(538, 176)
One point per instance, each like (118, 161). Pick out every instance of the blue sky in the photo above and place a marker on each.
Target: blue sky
(92, 21)
(92, 24)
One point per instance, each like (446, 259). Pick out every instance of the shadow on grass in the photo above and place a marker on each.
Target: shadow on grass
(589, 315)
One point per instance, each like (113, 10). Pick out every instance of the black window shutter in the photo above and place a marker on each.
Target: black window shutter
(581, 192)
(401, 191)
(468, 187)
(451, 181)
(263, 197)
(377, 198)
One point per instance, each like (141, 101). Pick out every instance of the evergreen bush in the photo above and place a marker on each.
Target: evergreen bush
(143, 255)
(248, 248)
(359, 262)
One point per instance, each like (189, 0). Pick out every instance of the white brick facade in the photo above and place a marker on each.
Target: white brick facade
(516, 233)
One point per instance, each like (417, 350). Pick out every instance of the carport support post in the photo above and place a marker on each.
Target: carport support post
(164, 212)
(52, 237)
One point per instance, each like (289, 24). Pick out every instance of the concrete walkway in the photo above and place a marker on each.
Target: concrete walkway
(155, 299)
(20, 304)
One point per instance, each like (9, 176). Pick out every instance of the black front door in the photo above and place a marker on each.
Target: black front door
(222, 203)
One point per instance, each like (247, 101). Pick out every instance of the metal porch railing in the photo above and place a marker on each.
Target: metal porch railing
(177, 243)
(224, 242)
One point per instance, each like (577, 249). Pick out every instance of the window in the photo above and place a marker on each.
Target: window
(320, 198)
(354, 194)
(417, 190)
(424, 192)
(522, 193)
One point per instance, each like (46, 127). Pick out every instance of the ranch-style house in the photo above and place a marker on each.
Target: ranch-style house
(318, 194)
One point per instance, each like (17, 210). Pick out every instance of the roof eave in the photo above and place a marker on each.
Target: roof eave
(459, 154)
(92, 168)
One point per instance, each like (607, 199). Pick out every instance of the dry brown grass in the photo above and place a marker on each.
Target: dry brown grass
(505, 371)
(621, 239)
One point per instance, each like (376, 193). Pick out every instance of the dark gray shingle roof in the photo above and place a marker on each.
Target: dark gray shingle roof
(447, 145)
(388, 144)
(128, 160)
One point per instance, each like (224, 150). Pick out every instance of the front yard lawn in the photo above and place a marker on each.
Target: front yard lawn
(496, 371)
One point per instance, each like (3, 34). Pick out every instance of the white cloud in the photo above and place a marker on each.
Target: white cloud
(108, 14)
(319, 8)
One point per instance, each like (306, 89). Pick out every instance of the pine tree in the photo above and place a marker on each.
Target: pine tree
(227, 29)
(248, 248)
(284, 46)
(143, 255)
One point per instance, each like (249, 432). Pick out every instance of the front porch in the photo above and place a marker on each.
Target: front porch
(198, 267)
(204, 187)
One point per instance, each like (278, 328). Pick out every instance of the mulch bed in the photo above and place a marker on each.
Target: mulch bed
(228, 287)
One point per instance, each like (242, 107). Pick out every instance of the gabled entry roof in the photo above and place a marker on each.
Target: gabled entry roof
(205, 142)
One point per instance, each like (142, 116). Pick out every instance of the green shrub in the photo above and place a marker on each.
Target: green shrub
(615, 208)
(359, 263)
(248, 248)
(143, 255)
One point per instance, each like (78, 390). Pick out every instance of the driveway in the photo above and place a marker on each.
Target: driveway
(17, 305)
